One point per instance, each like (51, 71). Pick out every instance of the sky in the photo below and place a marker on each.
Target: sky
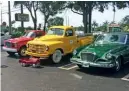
(74, 19)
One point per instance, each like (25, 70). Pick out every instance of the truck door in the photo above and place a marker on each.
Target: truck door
(70, 40)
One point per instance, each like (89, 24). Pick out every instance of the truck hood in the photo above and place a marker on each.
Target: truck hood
(48, 43)
(20, 39)
(49, 38)
(101, 49)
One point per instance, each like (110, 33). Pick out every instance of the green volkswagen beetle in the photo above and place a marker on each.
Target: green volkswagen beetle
(109, 50)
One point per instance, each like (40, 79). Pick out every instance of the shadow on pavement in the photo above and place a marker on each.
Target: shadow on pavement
(14, 56)
(4, 66)
(48, 62)
(107, 72)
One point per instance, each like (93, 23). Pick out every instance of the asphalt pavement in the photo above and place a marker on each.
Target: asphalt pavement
(61, 77)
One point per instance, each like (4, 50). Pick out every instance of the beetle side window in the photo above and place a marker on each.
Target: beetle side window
(69, 32)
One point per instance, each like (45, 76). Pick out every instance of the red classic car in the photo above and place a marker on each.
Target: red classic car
(18, 45)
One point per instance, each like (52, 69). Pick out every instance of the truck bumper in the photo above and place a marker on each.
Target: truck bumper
(9, 49)
(42, 56)
(91, 64)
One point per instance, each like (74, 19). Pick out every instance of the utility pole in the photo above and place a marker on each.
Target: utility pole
(1, 13)
(9, 17)
(22, 23)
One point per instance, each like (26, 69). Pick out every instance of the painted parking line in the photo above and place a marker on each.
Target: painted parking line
(68, 66)
(126, 78)
(76, 75)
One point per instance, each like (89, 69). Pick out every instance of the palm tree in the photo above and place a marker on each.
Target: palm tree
(94, 25)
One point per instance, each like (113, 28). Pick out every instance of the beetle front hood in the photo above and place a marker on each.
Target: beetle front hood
(101, 49)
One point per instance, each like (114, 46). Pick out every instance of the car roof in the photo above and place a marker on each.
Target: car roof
(119, 33)
(62, 27)
(34, 30)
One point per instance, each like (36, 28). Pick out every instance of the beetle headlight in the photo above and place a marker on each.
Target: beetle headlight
(108, 56)
(74, 52)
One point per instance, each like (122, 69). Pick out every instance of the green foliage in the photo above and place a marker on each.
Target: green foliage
(51, 8)
(17, 34)
(55, 21)
(125, 23)
(29, 28)
(81, 7)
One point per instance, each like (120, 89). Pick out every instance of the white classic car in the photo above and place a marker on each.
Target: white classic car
(4, 36)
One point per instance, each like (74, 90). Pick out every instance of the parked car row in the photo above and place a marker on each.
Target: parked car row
(108, 50)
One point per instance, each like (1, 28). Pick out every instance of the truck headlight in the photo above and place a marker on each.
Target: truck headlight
(47, 48)
(27, 45)
(74, 52)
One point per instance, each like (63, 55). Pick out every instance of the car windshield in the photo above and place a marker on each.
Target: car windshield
(112, 38)
(55, 31)
(29, 34)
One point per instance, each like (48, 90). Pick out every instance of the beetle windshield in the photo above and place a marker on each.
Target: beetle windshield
(30, 35)
(55, 31)
(112, 38)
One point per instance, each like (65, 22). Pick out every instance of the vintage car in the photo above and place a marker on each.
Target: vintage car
(14, 45)
(59, 41)
(109, 50)
(4, 36)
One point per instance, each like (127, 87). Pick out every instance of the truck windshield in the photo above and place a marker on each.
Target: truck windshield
(29, 34)
(55, 31)
(112, 38)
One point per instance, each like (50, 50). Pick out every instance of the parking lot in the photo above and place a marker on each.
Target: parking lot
(60, 77)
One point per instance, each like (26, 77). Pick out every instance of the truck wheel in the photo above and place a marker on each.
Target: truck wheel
(21, 52)
(56, 56)
(11, 53)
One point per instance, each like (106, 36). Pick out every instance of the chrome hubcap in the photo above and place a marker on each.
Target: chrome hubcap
(57, 56)
(23, 51)
(117, 65)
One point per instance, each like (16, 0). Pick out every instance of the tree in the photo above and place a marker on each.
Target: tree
(85, 9)
(55, 21)
(125, 23)
(94, 25)
(125, 20)
(32, 7)
(51, 8)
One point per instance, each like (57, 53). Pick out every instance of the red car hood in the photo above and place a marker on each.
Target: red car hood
(20, 39)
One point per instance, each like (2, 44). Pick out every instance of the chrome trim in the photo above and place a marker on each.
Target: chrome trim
(9, 49)
(91, 53)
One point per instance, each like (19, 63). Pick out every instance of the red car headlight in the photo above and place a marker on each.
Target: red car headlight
(14, 45)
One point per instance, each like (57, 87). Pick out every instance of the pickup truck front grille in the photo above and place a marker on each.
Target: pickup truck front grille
(8, 44)
(90, 57)
(36, 48)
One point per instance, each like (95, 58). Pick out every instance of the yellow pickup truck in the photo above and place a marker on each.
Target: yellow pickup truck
(59, 41)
